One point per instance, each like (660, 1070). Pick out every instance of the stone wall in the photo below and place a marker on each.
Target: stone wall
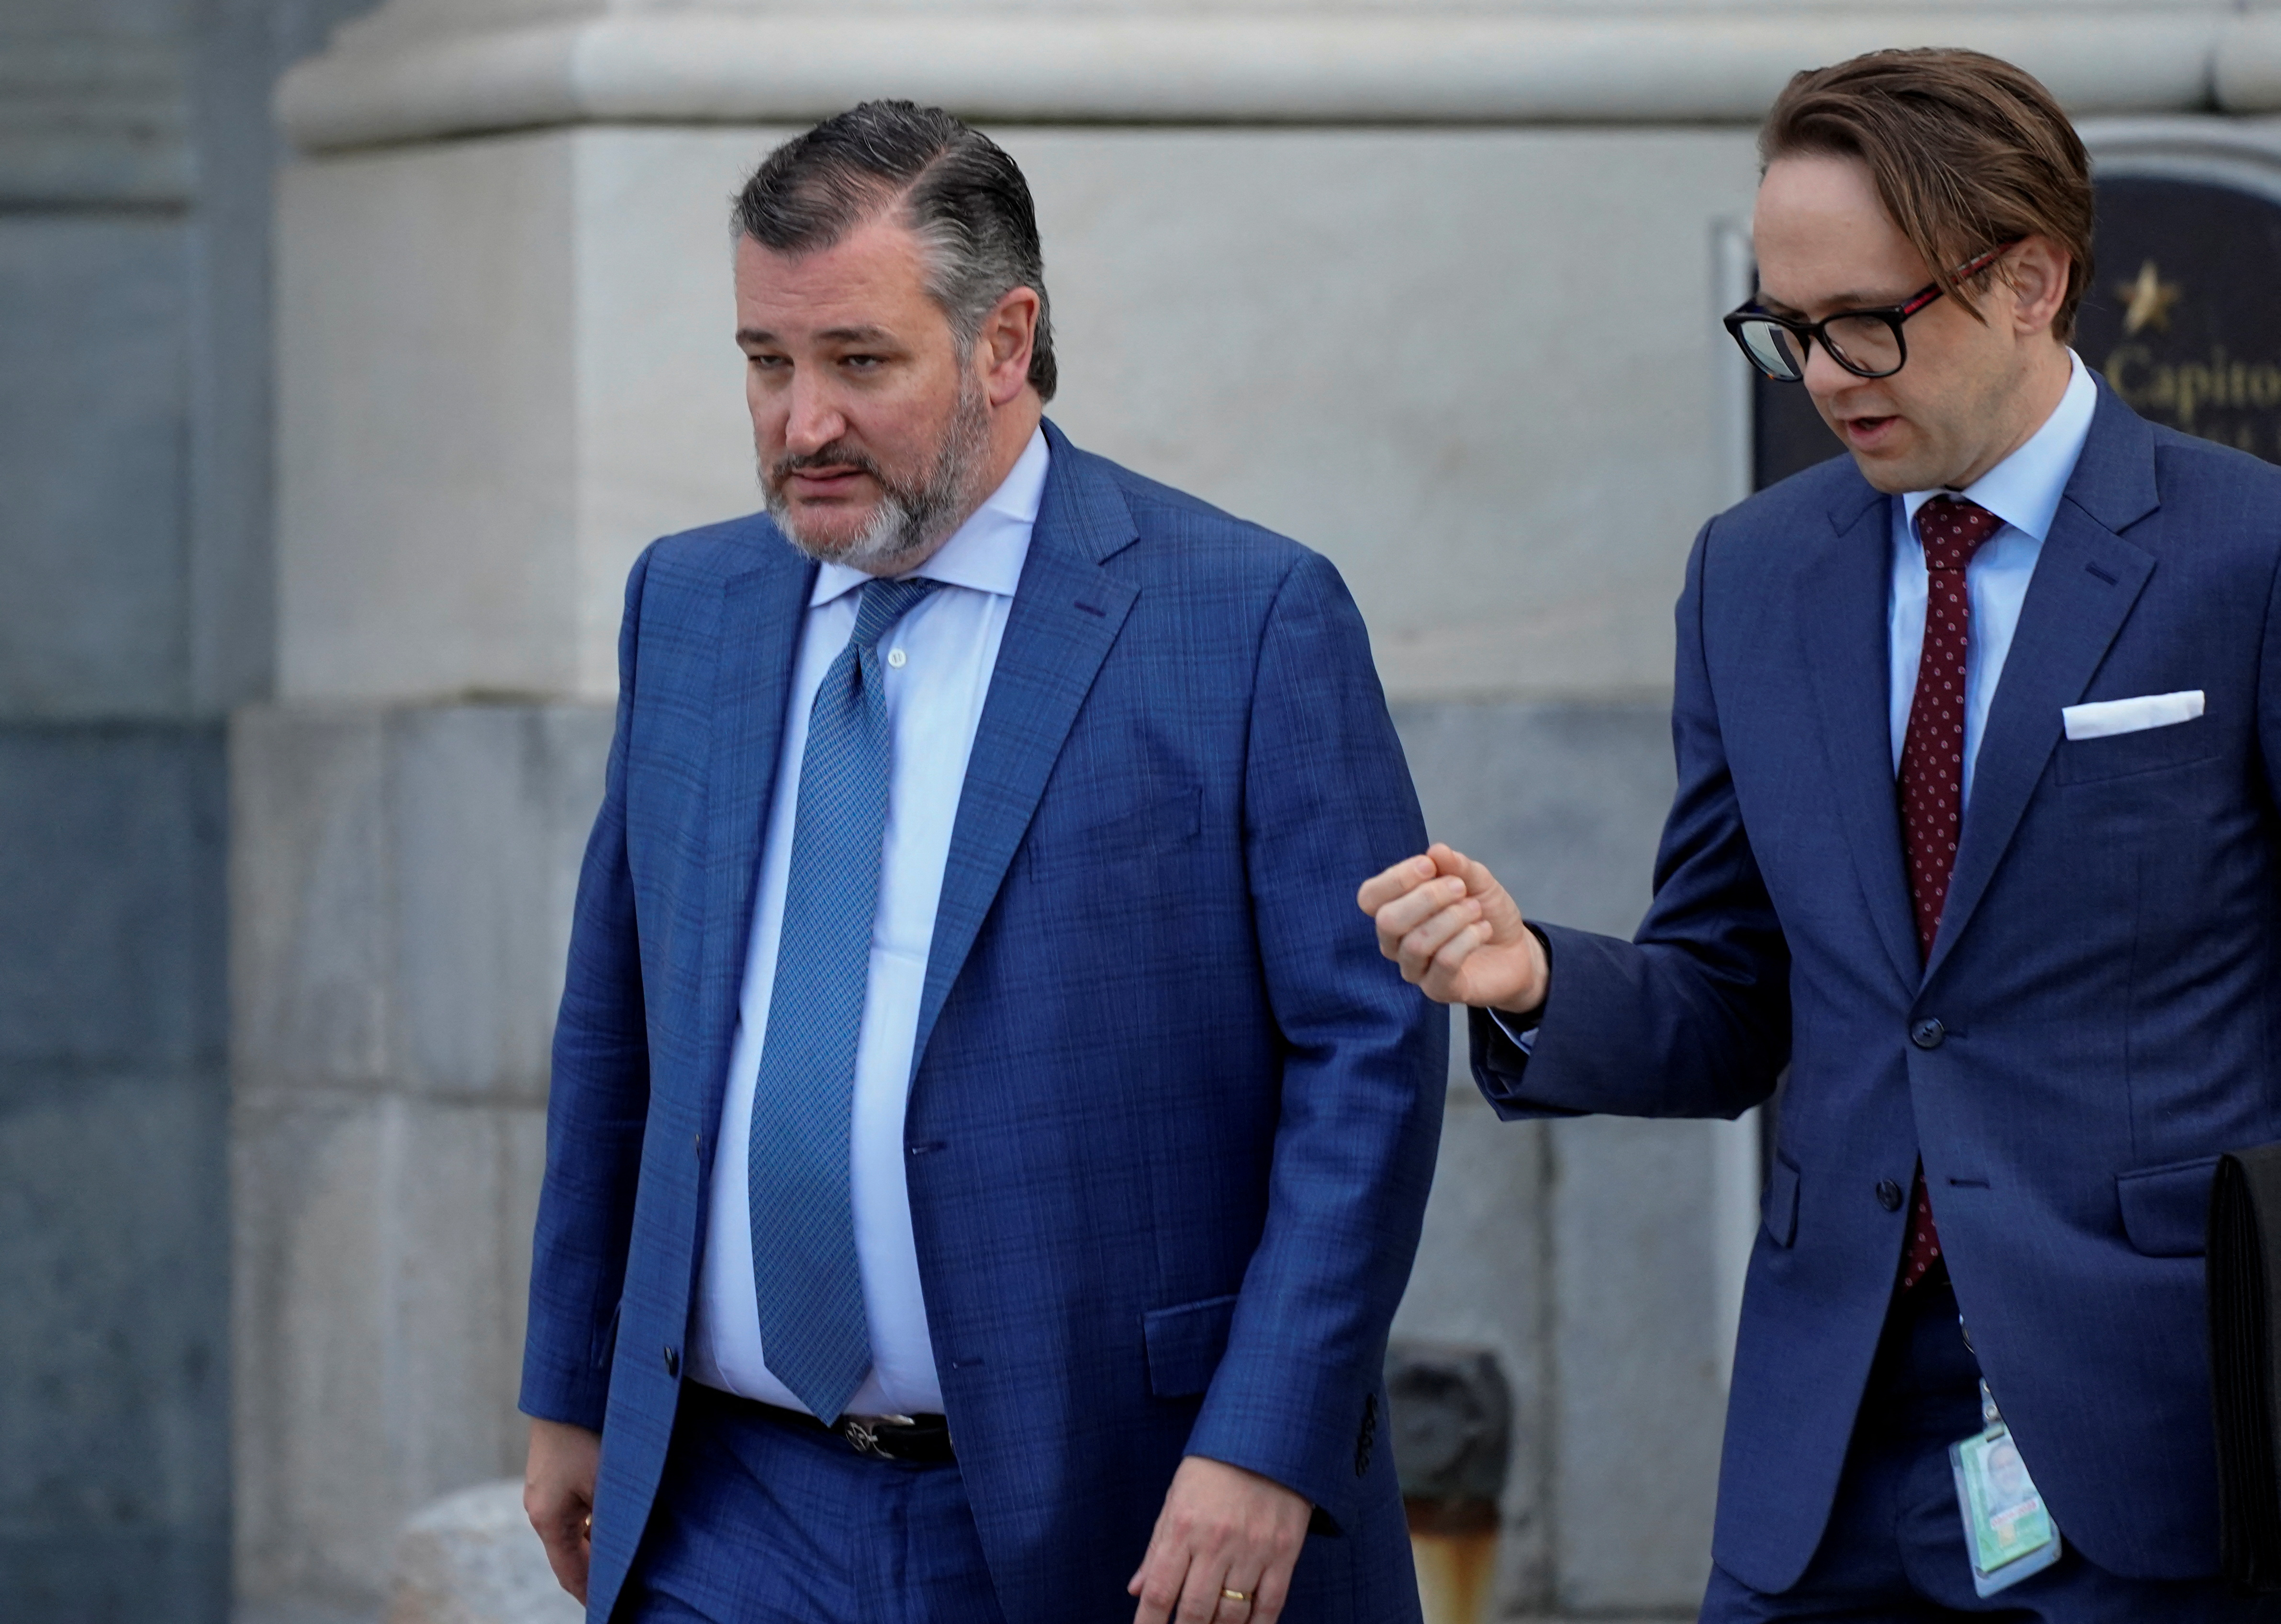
(135, 153)
(400, 910)
(114, 1434)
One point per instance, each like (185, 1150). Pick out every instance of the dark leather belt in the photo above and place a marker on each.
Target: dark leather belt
(915, 1440)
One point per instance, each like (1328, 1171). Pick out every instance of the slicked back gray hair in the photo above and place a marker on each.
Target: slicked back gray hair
(961, 193)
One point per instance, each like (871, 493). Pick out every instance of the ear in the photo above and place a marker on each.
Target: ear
(1002, 349)
(2037, 273)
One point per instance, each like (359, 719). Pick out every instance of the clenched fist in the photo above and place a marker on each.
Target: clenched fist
(1457, 934)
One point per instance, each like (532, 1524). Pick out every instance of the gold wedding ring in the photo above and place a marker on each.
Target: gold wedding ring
(1227, 1595)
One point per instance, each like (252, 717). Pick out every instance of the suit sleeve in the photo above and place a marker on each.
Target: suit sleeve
(597, 1106)
(1329, 802)
(1691, 1017)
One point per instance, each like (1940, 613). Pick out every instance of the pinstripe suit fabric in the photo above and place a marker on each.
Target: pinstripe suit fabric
(1172, 1119)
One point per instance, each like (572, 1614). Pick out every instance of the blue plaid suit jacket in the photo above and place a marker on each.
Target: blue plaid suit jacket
(1172, 1119)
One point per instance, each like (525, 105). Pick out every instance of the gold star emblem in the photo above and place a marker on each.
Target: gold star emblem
(2151, 298)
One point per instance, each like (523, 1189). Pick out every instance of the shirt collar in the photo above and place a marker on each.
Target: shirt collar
(985, 552)
(2024, 488)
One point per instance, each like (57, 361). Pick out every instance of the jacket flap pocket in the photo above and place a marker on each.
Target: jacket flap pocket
(1782, 1200)
(1185, 1344)
(2166, 1209)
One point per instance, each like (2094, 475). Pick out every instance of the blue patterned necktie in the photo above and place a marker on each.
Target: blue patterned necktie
(813, 1331)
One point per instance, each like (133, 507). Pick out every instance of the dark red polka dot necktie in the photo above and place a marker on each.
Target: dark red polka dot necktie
(1932, 765)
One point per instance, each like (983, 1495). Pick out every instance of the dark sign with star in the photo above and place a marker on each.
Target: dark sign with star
(2182, 319)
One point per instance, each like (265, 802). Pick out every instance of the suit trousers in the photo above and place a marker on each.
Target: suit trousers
(759, 1521)
(1894, 1548)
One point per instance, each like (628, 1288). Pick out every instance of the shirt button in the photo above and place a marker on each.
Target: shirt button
(672, 1360)
(896, 657)
(1928, 1034)
(1889, 1195)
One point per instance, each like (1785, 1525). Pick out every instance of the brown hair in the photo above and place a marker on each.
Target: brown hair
(1966, 151)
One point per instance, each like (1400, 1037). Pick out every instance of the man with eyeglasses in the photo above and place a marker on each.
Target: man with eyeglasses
(1979, 747)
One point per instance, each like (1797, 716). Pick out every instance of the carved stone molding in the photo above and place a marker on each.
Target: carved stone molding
(421, 69)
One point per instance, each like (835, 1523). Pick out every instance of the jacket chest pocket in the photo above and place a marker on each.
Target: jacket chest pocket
(2121, 755)
(1160, 824)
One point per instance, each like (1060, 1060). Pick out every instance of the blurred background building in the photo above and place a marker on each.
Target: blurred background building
(325, 442)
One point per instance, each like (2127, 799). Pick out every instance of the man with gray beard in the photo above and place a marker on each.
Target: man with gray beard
(986, 1149)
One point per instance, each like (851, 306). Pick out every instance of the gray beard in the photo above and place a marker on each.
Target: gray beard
(911, 519)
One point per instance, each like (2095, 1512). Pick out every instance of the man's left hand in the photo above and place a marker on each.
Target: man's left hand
(1222, 1529)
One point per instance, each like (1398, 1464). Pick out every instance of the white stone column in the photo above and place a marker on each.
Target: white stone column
(1434, 292)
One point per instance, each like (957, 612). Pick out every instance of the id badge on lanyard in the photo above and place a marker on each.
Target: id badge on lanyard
(2008, 1534)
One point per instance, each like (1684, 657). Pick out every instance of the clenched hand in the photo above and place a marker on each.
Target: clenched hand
(1457, 934)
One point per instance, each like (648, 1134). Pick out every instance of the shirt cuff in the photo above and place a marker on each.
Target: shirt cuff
(1522, 1028)
(1524, 1038)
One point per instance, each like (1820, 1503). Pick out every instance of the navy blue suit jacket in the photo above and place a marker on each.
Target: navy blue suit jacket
(1172, 1119)
(2104, 981)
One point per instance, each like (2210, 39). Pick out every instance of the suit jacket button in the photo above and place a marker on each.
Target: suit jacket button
(672, 1360)
(1928, 1034)
(1889, 1195)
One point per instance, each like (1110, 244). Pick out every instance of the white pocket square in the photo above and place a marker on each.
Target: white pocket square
(2108, 717)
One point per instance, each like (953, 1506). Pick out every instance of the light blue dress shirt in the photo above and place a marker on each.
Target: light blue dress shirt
(939, 661)
(2024, 491)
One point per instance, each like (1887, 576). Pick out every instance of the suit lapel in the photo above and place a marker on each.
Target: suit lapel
(761, 611)
(1066, 614)
(1842, 593)
(2086, 580)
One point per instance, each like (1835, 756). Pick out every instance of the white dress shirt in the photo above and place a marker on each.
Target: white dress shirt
(939, 664)
(2024, 492)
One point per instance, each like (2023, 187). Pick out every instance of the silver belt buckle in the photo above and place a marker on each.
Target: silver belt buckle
(862, 1432)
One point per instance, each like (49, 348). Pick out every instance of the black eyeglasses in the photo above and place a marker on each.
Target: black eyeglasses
(1866, 342)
